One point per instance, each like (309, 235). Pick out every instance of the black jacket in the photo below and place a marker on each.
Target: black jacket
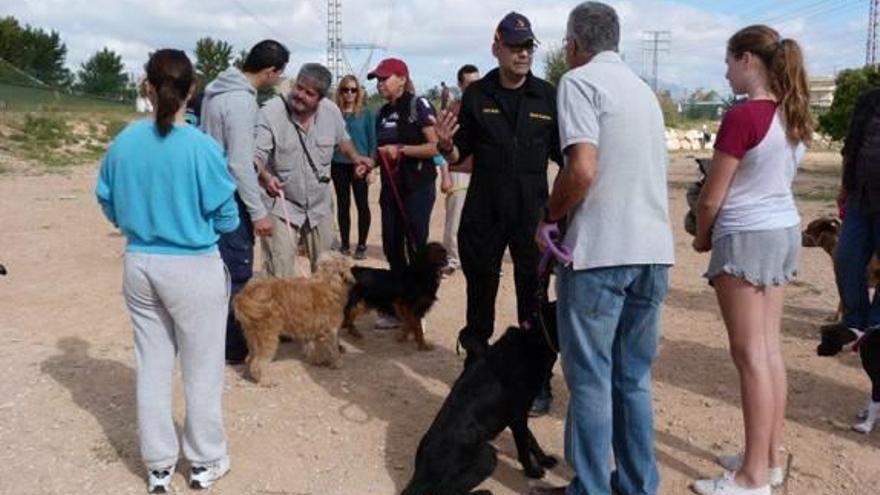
(414, 173)
(510, 152)
(861, 153)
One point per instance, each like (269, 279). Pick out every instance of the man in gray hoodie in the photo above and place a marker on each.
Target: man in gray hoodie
(229, 115)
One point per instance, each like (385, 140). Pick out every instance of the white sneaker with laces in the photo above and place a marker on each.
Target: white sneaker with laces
(726, 485)
(775, 475)
(204, 476)
(869, 416)
(159, 480)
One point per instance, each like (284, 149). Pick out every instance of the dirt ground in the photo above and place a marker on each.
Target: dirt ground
(67, 416)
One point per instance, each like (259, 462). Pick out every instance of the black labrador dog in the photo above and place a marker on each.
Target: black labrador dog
(494, 392)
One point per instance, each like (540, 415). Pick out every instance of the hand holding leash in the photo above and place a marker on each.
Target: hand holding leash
(550, 242)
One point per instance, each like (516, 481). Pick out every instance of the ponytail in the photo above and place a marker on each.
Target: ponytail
(786, 75)
(788, 81)
(171, 74)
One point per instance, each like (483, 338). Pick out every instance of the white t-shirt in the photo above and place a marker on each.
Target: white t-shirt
(624, 219)
(760, 196)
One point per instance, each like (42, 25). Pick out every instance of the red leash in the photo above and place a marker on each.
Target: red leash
(391, 175)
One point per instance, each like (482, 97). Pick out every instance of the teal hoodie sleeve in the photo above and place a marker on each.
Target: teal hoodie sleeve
(216, 190)
(103, 189)
(371, 133)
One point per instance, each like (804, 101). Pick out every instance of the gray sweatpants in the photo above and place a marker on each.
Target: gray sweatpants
(178, 304)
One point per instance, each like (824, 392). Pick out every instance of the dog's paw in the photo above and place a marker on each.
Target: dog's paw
(268, 383)
(534, 472)
(548, 461)
(827, 349)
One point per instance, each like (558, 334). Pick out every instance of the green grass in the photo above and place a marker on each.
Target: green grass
(58, 140)
(16, 98)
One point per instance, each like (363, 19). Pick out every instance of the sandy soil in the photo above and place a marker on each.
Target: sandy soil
(67, 418)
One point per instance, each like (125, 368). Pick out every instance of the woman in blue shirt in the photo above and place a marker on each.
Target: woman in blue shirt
(167, 187)
(361, 126)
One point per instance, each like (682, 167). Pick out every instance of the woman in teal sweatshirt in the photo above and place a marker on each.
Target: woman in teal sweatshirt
(166, 186)
(360, 123)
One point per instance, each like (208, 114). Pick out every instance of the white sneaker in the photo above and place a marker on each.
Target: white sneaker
(732, 463)
(204, 476)
(159, 480)
(726, 485)
(869, 416)
(386, 322)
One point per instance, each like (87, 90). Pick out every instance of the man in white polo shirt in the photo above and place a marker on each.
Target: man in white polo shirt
(612, 191)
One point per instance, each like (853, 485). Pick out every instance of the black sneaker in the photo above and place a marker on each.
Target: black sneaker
(541, 406)
(344, 250)
(360, 252)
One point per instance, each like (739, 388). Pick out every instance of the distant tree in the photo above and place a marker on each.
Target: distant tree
(239, 59)
(103, 75)
(703, 95)
(669, 107)
(212, 58)
(38, 53)
(851, 83)
(555, 65)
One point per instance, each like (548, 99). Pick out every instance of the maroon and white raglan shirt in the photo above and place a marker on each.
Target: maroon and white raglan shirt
(760, 196)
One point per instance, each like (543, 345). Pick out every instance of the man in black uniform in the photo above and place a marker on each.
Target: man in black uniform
(507, 123)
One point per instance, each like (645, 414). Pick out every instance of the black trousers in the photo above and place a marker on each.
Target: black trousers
(345, 183)
(396, 227)
(481, 247)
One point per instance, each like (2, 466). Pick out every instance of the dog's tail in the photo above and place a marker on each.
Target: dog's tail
(249, 308)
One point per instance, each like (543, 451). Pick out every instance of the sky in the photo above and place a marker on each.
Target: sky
(435, 37)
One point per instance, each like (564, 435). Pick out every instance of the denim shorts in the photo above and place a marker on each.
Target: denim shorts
(761, 258)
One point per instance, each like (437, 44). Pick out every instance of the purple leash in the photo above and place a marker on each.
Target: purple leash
(555, 249)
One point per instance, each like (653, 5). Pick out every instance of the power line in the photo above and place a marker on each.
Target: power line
(873, 19)
(246, 11)
(654, 43)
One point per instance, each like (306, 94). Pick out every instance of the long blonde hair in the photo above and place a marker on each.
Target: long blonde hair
(361, 93)
(787, 75)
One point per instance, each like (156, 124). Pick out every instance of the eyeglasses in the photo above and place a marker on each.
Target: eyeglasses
(528, 47)
(348, 90)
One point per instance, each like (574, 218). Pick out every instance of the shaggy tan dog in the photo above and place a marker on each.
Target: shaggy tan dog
(310, 310)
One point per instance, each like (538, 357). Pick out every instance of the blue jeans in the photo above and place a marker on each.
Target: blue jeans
(608, 334)
(237, 250)
(859, 240)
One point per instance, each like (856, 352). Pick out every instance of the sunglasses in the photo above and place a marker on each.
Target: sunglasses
(348, 90)
(528, 47)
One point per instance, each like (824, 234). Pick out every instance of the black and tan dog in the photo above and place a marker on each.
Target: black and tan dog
(407, 295)
(837, 338)
(493, 393)
(824, 233)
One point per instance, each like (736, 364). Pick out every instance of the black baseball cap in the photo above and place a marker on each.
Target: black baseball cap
(515, 29)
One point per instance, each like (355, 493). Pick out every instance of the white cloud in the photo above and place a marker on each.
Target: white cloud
(433, 36)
